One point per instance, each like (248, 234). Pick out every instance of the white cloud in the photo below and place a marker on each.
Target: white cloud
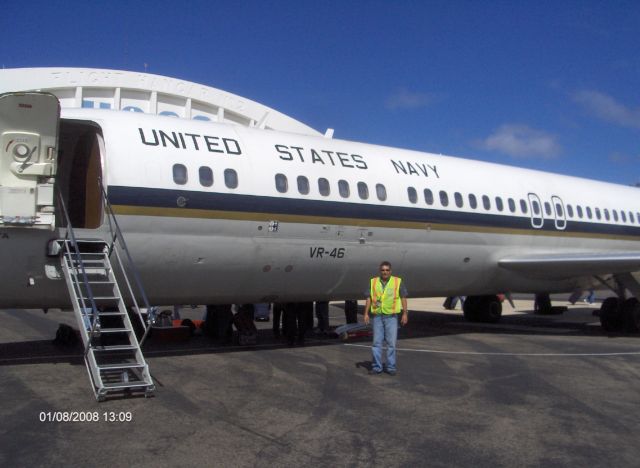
(522, 141)
(607, 108)
(404, 99)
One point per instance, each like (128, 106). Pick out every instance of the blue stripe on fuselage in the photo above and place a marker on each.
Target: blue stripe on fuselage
(166, 198)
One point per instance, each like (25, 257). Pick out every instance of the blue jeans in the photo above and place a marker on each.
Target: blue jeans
(385, 328)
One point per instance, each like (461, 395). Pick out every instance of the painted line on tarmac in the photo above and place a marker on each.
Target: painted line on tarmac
(477, 353)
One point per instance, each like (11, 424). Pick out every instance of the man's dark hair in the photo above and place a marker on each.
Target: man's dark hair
(385, 263)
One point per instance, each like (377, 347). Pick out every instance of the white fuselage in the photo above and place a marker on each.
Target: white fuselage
(199, 242)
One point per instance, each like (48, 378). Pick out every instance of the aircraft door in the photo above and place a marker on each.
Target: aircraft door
(535, 208)
(558, 209)
(28, 154)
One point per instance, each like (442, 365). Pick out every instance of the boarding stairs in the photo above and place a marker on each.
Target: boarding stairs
(112, 352)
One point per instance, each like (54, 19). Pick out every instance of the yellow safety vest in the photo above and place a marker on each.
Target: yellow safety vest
(386, 300)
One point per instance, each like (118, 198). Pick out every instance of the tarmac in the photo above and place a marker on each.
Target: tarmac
(530, 391)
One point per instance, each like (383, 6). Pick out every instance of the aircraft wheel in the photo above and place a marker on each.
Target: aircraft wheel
(470, 307)
(491, 309)
(610, 314)
(486, 309)
(631, 314)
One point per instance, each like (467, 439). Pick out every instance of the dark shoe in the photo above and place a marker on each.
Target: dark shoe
(374, 372)
(391, 372)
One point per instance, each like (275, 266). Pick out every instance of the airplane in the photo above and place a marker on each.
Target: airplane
(215, 212)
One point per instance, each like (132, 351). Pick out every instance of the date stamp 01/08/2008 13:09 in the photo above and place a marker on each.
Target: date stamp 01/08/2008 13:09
(85, 416)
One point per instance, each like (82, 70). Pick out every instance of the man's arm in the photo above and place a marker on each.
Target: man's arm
(367, 306)
(405, 311)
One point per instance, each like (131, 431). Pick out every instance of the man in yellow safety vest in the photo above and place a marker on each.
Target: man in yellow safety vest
(386, 299)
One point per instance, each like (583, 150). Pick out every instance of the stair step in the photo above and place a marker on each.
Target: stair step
(89, 270)
(120, 366)
(123, 385)
(115, 348)
(102, 298)
(115, 330)
(103, 314)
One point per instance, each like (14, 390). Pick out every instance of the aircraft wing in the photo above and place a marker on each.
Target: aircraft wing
(574, 264)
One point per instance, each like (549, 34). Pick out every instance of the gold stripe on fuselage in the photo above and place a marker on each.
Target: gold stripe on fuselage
(364, 223)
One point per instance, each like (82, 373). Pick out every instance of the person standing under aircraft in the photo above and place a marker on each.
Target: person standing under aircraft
(386, 298)
(322, 313)
(279, 319)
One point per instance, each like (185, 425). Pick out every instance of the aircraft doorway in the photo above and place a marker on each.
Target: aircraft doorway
(535, 208)
(79, 172)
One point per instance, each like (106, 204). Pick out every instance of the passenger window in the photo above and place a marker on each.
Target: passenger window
(624, 216)
(615, 215)
(589, 212)
(303, 185)
(413, 195)
(486, 202)
(598, 214)
(180, 174)
(458, 198)
(281, 183)
(444, 198)
(570, 211)
(381, 192)
(343, 188)
(559, 210)
(323, 187)
(523, 206)
(230, 178)
(547, 208)
(499, 204)
(473, 202)
(512, 205)
(579, 210)
(606, 214)
(363, 190)
(206, 176)
(638, 217)
(536, 207)
(428, 196)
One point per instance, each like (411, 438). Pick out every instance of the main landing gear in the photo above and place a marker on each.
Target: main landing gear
(620, 314)
(486, 309)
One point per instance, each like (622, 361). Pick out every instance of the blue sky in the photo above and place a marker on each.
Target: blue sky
(549, 85)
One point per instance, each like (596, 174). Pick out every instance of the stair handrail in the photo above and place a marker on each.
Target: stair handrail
(85, 279)
(116, 234)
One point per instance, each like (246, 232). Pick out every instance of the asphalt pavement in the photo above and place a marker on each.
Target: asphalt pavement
(530, 391)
